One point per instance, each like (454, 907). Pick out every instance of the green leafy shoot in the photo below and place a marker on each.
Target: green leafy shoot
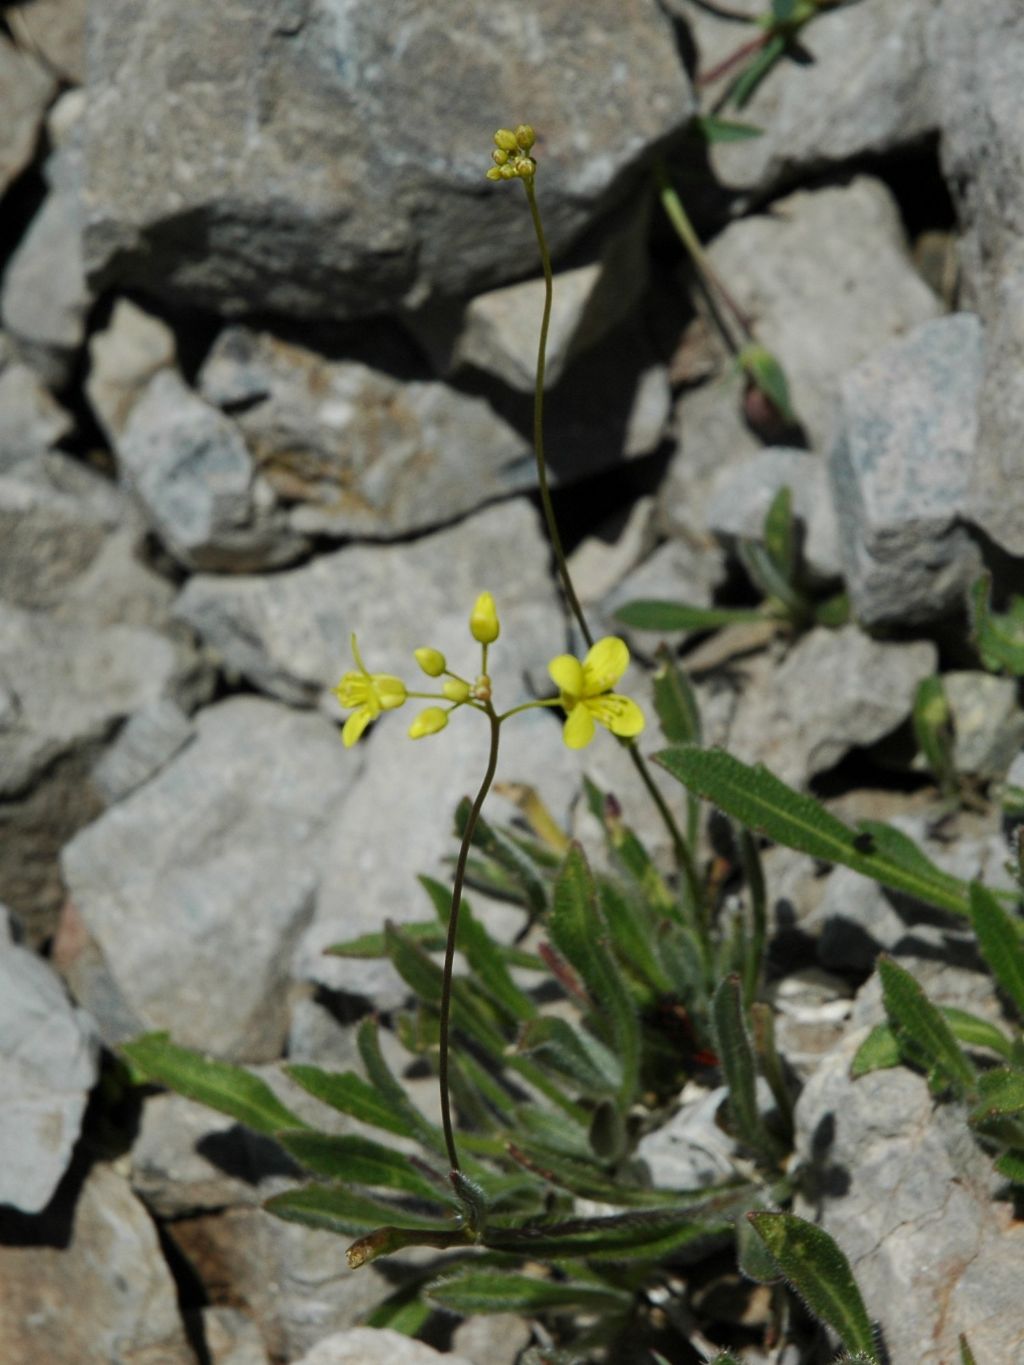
(766, 373)
(999, 637)
(222, 1086)
(714, 129)
(817, 1270)
(933, 730)
(668, 617)
(912, 1014)
(739, 1068)
(999, 939)
(763, 802)
(471, 1291)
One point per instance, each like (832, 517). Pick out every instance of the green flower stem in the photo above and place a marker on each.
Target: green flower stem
(453, 929)
(529, 706)
(682, 850)
(713, 283)
(538, 420)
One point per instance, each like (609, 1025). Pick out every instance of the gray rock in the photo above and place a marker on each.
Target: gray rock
(48, 1065)
(92, 1285)
(599, 562)
(291, 1280)
(31, 421)
(690, 1151)
(827, 280)
(56, 720)
(899, 466)
(356, 451)
(53, 30)
(198, 884)
(888, 1169)
(289, 633)
(148, 741)
(864, 92)
(987, 719)
(189, 467)
(123, 358)
(811, 1008)
(836, 689)
(119, 588)
(744, 491)
(48, 539)
(28, 88)
(232, 1338)
(373, 1346)
(708, 431)
(350, 203)
(44, 299)
(972, 51)
(491, 1339)
(497, 331)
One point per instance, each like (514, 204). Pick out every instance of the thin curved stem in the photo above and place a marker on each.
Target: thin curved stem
(453, 929)
(538, 421)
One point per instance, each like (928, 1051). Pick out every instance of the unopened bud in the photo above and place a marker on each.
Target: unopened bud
(483, 622)
(506, 140)
(525, 136)
(428, 722)
(455, 689)
(432, 661)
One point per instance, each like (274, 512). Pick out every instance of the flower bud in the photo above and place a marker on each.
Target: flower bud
(432, 661)
(483, 623)
(428, 722)
(455, 689)
(525, 136)
(499, 157)
(506, 140)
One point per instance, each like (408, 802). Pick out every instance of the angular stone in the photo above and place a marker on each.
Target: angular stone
(350, 203)
(189, 467)
(827, 280)
(90, 1285)
(288, 633)
(376, 1346)
(744, 491)
(31, 421)
(497, 330)
(835, 690)
(492, 1339)
(905, 1188)
(232, 1338)
(973, 50)
(149, 740)
(899, 466)
(197, 885)
(45, 299)
(28, 88)
(988, 724)
(48, 539)
(123, 358)
(291, 1280)
(55, 720)
(55, 31)
(864, 91)
(599, 562)
(48, 1064)
(675, 572)
(355, 450)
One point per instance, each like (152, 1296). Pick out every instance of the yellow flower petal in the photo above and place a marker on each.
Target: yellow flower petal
(567, 675)
(604, 665)
(352, 690)
(354, 727)
(390, 691)
(578, 730)
(428, 722)
(620, 715)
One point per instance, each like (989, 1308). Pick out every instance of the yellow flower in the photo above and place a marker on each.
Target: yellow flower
(428, 722)
(584, 692)
(511, 154)
(483, 622)
(369, 693)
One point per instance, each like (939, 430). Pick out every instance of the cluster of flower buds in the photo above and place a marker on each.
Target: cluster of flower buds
(511, 155)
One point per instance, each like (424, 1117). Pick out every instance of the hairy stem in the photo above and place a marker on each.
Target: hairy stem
(453, 929)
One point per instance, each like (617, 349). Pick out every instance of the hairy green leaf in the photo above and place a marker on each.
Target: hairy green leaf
(999, 638)
(913, 1014)
(350, 1094)
(818, 1271)
(1011, 1164)
(761, 801)
(1001, 1092)
(403, 1311)
(647, 1233)
(742, 89)
(361, 1161)
(881, 1048)
(229, 1089)
(337, 1209)
(675, 701)
(372, 945)
(769, 376)
(502, 1291)
(880, 1051)
(574, 1054)
(1000, 943)
(739, 1066)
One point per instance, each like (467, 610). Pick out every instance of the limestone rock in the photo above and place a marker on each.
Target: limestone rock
(827, 280)
(31, 420)
(28, 88)
(123, 358)
(48, 1065)
(53, 30)
(198, 884)
(351, 200)
(91, 1285)
(372, 1346)
(900, 465)
(189, 467)
(836, 689)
